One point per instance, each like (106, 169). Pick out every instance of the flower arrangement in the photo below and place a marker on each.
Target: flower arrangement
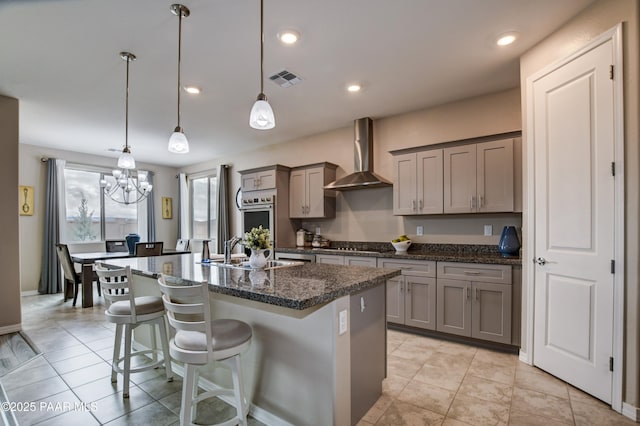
(258, 239)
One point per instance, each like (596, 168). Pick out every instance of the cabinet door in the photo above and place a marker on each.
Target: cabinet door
(454, 306)
(491, 312)
(460, 179)
(360, 261)
(315, 192)
(420, 302)
(495, 176)
(404, 184)
(330, 259)
(297, 194)
(248, 182)
(429, 181)
(395, 300)
(266, 179)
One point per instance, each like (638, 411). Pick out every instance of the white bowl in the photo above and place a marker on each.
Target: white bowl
(402, 245)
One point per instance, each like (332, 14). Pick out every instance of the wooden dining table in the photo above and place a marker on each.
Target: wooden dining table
(86, 260)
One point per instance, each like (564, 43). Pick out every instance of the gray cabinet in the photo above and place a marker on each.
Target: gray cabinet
(475, 300)
(335, 259)
(307, 196)
(417, 187)
(411, 297)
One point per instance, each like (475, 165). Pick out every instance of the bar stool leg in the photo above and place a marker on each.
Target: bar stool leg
(166, 355)
(186, 411)
(128, 330)
(238, 389)
(116, 353)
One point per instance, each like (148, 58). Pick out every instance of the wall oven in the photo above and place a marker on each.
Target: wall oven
(259, 209)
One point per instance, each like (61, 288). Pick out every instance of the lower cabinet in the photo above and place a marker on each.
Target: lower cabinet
(476, 307)
(335, 259)
(411, 297)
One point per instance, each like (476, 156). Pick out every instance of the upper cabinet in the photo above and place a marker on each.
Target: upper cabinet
(259, 180)
(418, 183)
(459, 178)
(307, 196)
(478, 178)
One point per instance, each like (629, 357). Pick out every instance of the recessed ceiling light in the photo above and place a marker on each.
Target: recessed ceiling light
(354, 87)
(506, 39)
(289, 37)
(193, 90)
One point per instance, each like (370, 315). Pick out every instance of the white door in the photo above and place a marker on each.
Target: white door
(573, 124)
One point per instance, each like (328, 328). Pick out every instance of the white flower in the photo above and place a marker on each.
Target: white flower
(258, 238)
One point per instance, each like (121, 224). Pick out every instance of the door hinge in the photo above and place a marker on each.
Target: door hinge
(610, 72)
(610, 363)
(613, 168)
(613, 266)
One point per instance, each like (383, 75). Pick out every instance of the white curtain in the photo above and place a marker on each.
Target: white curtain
(183, 207)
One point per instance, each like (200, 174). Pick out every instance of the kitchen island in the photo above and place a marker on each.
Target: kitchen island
(318, 354)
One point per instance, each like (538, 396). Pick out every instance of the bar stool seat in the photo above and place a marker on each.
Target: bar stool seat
(200, 340)
(129, 312)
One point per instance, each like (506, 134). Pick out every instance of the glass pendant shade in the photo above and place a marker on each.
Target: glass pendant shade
(178, 143)
(126, 161)
(262, 117)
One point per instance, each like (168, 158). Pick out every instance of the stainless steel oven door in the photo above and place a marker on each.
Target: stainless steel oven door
(262, 214)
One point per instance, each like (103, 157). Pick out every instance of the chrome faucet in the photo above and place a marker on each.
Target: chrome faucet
(228, 247)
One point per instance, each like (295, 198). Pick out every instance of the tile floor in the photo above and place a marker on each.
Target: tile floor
(430, 382)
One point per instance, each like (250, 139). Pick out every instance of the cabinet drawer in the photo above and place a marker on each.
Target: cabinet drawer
(360, 261)
(500, 274)
(424, 268)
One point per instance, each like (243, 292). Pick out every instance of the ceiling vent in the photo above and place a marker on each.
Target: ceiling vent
(285, 78)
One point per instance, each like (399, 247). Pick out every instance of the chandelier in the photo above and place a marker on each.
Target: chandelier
(130, 186)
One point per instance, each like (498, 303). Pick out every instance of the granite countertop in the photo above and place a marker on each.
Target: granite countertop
(296, 287)
(465, 253)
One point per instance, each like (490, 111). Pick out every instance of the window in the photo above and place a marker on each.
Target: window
(203, 208)
(89, 215)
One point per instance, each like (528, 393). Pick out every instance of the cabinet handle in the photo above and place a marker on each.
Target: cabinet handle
(481, 202)
(413, 205)
(471, 203)
(475, 293)
(472, 272)
(421, 204)
(408, 288)
(467, 288)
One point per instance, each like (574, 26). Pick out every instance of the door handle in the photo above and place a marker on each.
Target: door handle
(540, 261)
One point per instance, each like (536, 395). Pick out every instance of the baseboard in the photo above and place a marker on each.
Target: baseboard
(524, 357)
(10, 328)
(631, 412)
(29, 293)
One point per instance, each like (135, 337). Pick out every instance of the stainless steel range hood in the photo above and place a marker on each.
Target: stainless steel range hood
(363, 176)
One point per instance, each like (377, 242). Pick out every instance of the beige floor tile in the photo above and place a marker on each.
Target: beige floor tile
(597, 413)
(411, 350)
(478, 412)
(426, 396)
(537, 403)
(453, 422)
(522, 366)
(393, 385)
(459, 349)
(496, 357)
(519, 418)
(456, 364)
(544, 383)
(576, 394)
(441, 377)
(487, 390)
(378, 409)
(498, 373)
(397, 366)
(401, 414)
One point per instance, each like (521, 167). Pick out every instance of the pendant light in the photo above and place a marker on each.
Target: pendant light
(178, 142)
(130, 186)
(262, 117)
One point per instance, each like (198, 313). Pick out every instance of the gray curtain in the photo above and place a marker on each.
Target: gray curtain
(50, 278)
(151, 212)
(223, 233)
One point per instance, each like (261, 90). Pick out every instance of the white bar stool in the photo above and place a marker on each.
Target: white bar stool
(200, 340)
(128, 312)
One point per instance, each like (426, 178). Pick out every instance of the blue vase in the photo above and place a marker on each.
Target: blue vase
(132, 239)
(509, 244)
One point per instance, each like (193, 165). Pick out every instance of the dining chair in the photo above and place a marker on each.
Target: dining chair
(182, 245)
(116, 246)
(199, 340)
(149, 249)
(128, 312)
(72, 278)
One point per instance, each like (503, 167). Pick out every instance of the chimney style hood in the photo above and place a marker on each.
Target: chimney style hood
(363, 176)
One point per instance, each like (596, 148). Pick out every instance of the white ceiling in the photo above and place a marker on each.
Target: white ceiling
(60, 58)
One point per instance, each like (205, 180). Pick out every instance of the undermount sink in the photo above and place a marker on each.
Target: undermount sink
(271, 264)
